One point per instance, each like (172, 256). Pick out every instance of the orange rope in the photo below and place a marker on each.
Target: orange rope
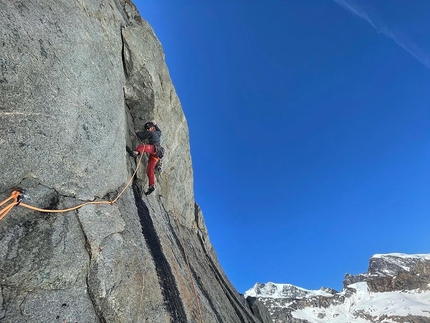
(16, 196)
(13, 196)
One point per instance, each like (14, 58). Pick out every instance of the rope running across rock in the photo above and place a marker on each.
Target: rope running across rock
(17, 197)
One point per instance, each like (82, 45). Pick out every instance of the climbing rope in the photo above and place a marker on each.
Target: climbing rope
(17, 197)
(185, 252)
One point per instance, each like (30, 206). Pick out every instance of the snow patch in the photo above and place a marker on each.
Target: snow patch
(274, 290)
(364, 303)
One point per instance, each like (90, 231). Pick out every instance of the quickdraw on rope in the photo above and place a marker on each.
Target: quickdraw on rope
(17, 196)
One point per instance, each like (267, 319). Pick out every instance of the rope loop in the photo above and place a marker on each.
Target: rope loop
(17, 196)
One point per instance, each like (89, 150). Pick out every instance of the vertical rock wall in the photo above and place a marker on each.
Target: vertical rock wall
(77, 77)
(62, 114)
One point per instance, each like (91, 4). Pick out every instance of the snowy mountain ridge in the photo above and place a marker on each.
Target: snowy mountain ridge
(402, 260)
(273, 290)
(396, 288)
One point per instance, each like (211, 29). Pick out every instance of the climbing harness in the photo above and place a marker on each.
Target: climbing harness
(185, 252)
(17, 196)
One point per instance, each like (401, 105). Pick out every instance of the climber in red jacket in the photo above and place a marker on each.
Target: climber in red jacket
(150, 138)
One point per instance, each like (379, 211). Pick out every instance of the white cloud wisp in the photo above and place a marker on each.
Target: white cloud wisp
(401, 39)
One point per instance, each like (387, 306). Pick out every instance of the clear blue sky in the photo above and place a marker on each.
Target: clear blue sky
(309, 126)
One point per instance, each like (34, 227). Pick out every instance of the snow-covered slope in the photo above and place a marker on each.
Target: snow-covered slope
(273, 290)
(394, 289)
(364, 306)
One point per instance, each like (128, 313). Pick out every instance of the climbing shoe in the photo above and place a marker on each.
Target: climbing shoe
(150, 190)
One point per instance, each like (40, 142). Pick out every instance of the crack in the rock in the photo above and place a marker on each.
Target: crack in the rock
(97, 311)
(92, 297)
(238, 307)
(166, 278)
(3, 303)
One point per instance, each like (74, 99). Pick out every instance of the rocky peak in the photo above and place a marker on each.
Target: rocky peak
(273, 290)
(391, 264)
(394, 289)
(395, 271)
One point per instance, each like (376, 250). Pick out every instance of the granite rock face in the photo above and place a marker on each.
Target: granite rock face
(259, 309)
(77, 78)
(61, 107)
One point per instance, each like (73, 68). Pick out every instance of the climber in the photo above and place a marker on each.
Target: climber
(150, 140)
